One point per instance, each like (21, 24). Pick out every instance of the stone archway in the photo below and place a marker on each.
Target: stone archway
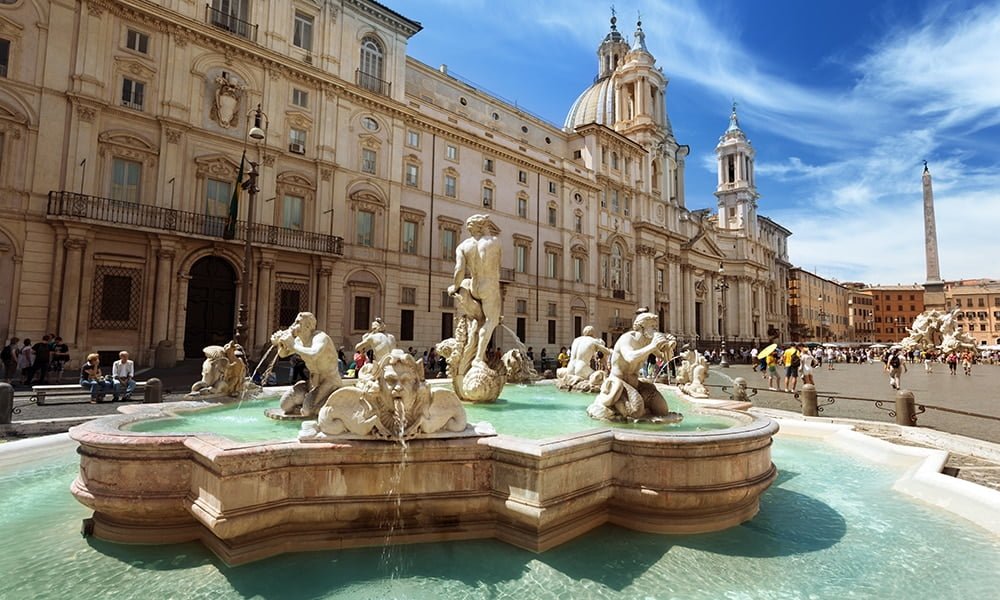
(211, 305)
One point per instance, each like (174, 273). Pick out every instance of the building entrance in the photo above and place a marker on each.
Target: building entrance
(211, 306)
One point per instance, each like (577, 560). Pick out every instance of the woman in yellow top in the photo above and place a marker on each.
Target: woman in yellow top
(772, 371)
(563, 358)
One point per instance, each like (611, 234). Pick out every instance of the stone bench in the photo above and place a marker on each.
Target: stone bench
(40, 394)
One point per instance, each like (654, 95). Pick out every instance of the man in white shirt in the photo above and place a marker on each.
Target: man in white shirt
(123, 371)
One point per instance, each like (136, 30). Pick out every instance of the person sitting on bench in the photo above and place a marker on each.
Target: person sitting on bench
(124, 373)
(91, 379)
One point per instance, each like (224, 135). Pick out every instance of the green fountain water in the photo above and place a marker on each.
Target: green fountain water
(831, 527)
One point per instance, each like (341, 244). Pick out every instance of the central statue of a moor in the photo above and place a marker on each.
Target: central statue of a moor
(476, 290)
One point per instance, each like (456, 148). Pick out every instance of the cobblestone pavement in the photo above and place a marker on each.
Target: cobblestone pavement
(978, 393)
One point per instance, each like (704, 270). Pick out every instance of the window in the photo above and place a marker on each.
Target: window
(521, 307)
(132, 93)
(447, 300)
(408, 295)
(409, 241)
(551, 265)
(450, 186)
(290, 302)
(552, 331)
(362, 312)
(451, 152)
(551, 309)
(291, 212)
(449, 241)
(117, 293)
(136, 40)
(364, 227)
(521, 259)
(552, 187)
(522, 328)
(303, 35)
(578, 223)
(297, 140)
(300, 98)
(125, 180)
(4, 57)
(218, 195)
(577, 154)
(447, 325)
(522, 207)
(371, 64)
(552, 215)
(412, 174)
(522, 176)
(413, 139)
(368, 157)
(614, 160)
(369, 123)
(487, 197)
(578, 269)
(488, 165)
(615, 205)
(659, 280)
(627, 206)
(406, 324)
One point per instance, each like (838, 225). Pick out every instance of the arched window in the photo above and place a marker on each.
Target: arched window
(372, 63)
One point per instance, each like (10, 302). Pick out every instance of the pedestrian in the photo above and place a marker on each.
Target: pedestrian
(123, 371)
(92, 380)
(792, 360)
(42, 353)
(928, 362)
(563, 357)
(9, 358)
(895, 366)
(952, 361)
(772, 370)
(26, 362)
(967, 362)
(808, 365)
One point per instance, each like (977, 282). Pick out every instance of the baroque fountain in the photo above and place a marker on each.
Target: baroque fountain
(393, 452)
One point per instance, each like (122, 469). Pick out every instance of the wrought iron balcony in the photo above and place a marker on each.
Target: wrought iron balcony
(372, 83)
(129, 215)
(230, 23)
(619, 323)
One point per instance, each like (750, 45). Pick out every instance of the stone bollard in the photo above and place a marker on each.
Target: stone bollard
(905, 414)
(809, 404)
(154, 392)
(6, 403)
(740, 390)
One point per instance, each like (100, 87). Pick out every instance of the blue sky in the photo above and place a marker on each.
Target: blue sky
(841, 100)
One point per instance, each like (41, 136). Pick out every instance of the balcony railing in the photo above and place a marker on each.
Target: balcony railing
(506, 274)
(372, 83)
(231, 23)
(619, 323)
(110, 212)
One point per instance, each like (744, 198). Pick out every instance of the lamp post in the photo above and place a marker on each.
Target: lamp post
(822, 320)
(250, 185)
(722, 286)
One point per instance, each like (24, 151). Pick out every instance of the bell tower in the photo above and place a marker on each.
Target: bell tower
(737, 190)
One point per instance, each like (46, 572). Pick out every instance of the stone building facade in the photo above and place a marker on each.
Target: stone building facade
(123, 123)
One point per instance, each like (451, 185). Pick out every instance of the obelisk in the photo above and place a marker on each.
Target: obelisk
(934, 286)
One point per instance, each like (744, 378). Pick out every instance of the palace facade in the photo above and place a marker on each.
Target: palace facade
(123, 123)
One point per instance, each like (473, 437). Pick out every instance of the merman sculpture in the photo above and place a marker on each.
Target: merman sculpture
(623, 396)
(476, 290)
(319, 353)
(578, 375)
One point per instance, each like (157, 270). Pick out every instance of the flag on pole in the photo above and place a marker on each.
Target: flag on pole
(229, 232)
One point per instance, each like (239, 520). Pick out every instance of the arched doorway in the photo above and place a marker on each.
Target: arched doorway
(211, 305)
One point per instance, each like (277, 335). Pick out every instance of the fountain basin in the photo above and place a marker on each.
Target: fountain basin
(251, 500)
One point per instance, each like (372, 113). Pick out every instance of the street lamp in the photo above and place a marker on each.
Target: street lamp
(258, 135)
(822, 319)
(722, 286)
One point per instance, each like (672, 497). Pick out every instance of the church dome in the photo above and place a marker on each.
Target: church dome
(595, 105)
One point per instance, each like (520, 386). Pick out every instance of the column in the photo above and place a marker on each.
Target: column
(265, 271)
(162, 298)
(677, 298)
(70, 309)
(322, 297)
(689, 300)
(183, 280)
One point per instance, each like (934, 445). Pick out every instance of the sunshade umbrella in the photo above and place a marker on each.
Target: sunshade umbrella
(763, 353)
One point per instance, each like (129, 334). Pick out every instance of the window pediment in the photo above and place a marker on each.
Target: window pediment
(125, 145)
(216, 166)
(295, 184)
(133, 67)
(299, 119)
